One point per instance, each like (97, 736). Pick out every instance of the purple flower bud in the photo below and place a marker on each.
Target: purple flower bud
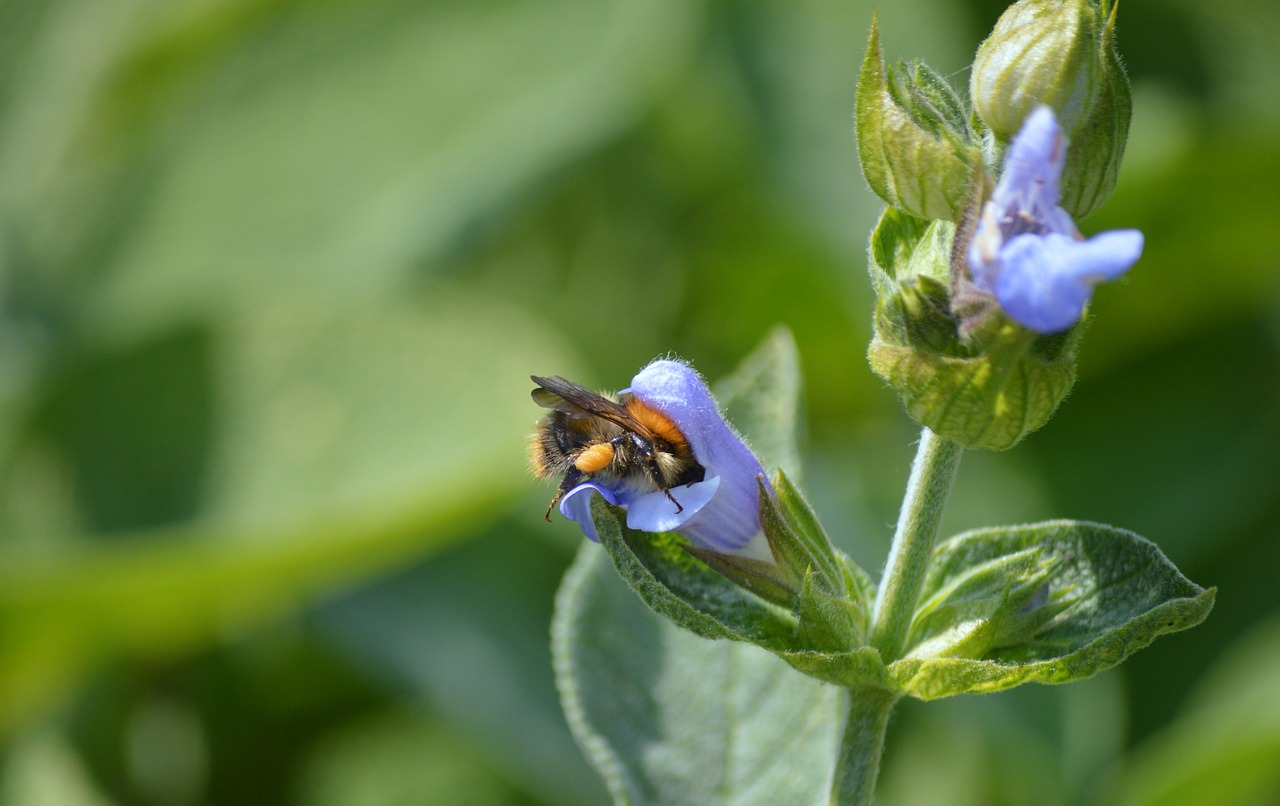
(1026, 249)
(721, 512)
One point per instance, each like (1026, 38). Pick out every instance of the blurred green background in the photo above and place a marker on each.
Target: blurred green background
(273, 277)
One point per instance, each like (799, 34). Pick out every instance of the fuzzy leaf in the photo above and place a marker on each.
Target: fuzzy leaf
(668, 718)
(1049, 603)
(684, 589)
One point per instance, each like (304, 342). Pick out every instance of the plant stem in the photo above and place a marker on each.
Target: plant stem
(937, 459)
(859, 761)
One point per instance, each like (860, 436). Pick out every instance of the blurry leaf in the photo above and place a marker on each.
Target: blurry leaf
(1206, 262)
(133, 427)
(1022, 747)
(1200, 460)
(350, 439)
(395, 761)
(1047, 603)
(235, 146)
(1225, 749)
(464, 635)
(668, 718)
(762, 399)
(799, 65)
(42, 769)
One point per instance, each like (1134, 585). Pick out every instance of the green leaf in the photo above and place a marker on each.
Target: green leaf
(684, 589)
(668, 718)
(762, 399)
(1048, 603)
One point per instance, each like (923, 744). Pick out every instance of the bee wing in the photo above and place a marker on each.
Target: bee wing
(574, 399)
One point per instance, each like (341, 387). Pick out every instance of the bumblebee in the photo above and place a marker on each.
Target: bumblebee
(616, 440)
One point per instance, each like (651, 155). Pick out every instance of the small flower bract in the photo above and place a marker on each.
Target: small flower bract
(721, 512)
(1027, 251)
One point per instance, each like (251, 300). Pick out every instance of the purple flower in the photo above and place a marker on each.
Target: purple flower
(1026, 249)
(721, 512)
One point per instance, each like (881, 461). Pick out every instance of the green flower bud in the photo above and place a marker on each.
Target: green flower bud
(1042, 52)
(986, 384)
(1097, 146)
(914, 141)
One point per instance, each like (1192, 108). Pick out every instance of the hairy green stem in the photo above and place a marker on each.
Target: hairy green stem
(860, 748)
(937, 459)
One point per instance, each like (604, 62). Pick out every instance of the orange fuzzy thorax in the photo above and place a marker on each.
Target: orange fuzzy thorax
(656, 422)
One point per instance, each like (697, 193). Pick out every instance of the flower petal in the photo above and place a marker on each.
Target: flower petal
(984, 249)
(730, 519)
(576, 506)
(1046, 281)
(1105, 256)
(1033, 167)
(654, 512)
(678, 391)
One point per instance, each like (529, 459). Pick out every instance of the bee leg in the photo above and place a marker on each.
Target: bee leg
(571, 479)
(673, 500)
(656, 475)
(552, 505)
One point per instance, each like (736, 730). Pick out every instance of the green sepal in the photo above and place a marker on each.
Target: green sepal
(774, 583)
(855, 668)
(914, 143)
(819, 637)
(797, 539)
(1096, 148)
(918, 314)
(828, 623)
(986, 389)
(1052, 602)
(903, 246)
